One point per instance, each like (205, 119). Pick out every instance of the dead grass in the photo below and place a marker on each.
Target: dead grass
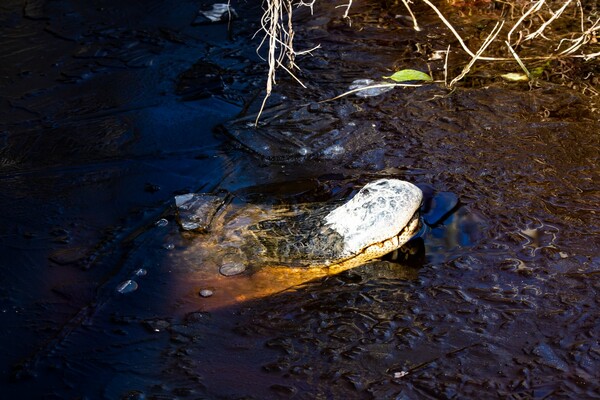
(524, 24)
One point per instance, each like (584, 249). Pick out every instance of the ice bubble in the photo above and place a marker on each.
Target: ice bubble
(161, 222)
(127, 287)
(371, 92)
(141, 272)
(168, 246)
(232, 268)
(206, 293)
(303, 151)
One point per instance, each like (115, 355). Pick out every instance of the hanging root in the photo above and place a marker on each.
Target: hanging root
(278, 36)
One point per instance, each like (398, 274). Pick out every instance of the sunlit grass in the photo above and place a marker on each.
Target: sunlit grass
(521, 24)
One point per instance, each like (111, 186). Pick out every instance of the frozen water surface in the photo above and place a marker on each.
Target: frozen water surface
(369, 87)
(111, 110)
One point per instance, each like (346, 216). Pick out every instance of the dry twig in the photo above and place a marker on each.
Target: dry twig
(477, 56)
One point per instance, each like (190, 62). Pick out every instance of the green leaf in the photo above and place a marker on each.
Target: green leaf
(405, 75)
(537, 72)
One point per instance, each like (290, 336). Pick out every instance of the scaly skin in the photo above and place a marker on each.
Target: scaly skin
(287, 247)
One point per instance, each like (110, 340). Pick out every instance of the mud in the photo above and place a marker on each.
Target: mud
(109, 111)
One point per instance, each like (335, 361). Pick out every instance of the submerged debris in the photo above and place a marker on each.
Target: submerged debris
(219, 12)
(368, 91)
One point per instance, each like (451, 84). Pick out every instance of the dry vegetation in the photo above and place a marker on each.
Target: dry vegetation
(568, 28)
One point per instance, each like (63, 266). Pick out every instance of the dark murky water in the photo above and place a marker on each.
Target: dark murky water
(107, 112)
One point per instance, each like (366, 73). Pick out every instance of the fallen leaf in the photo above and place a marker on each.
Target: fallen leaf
(515, 77)
(405, 75)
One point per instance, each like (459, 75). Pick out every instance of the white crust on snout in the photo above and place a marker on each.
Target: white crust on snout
(378, 212)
